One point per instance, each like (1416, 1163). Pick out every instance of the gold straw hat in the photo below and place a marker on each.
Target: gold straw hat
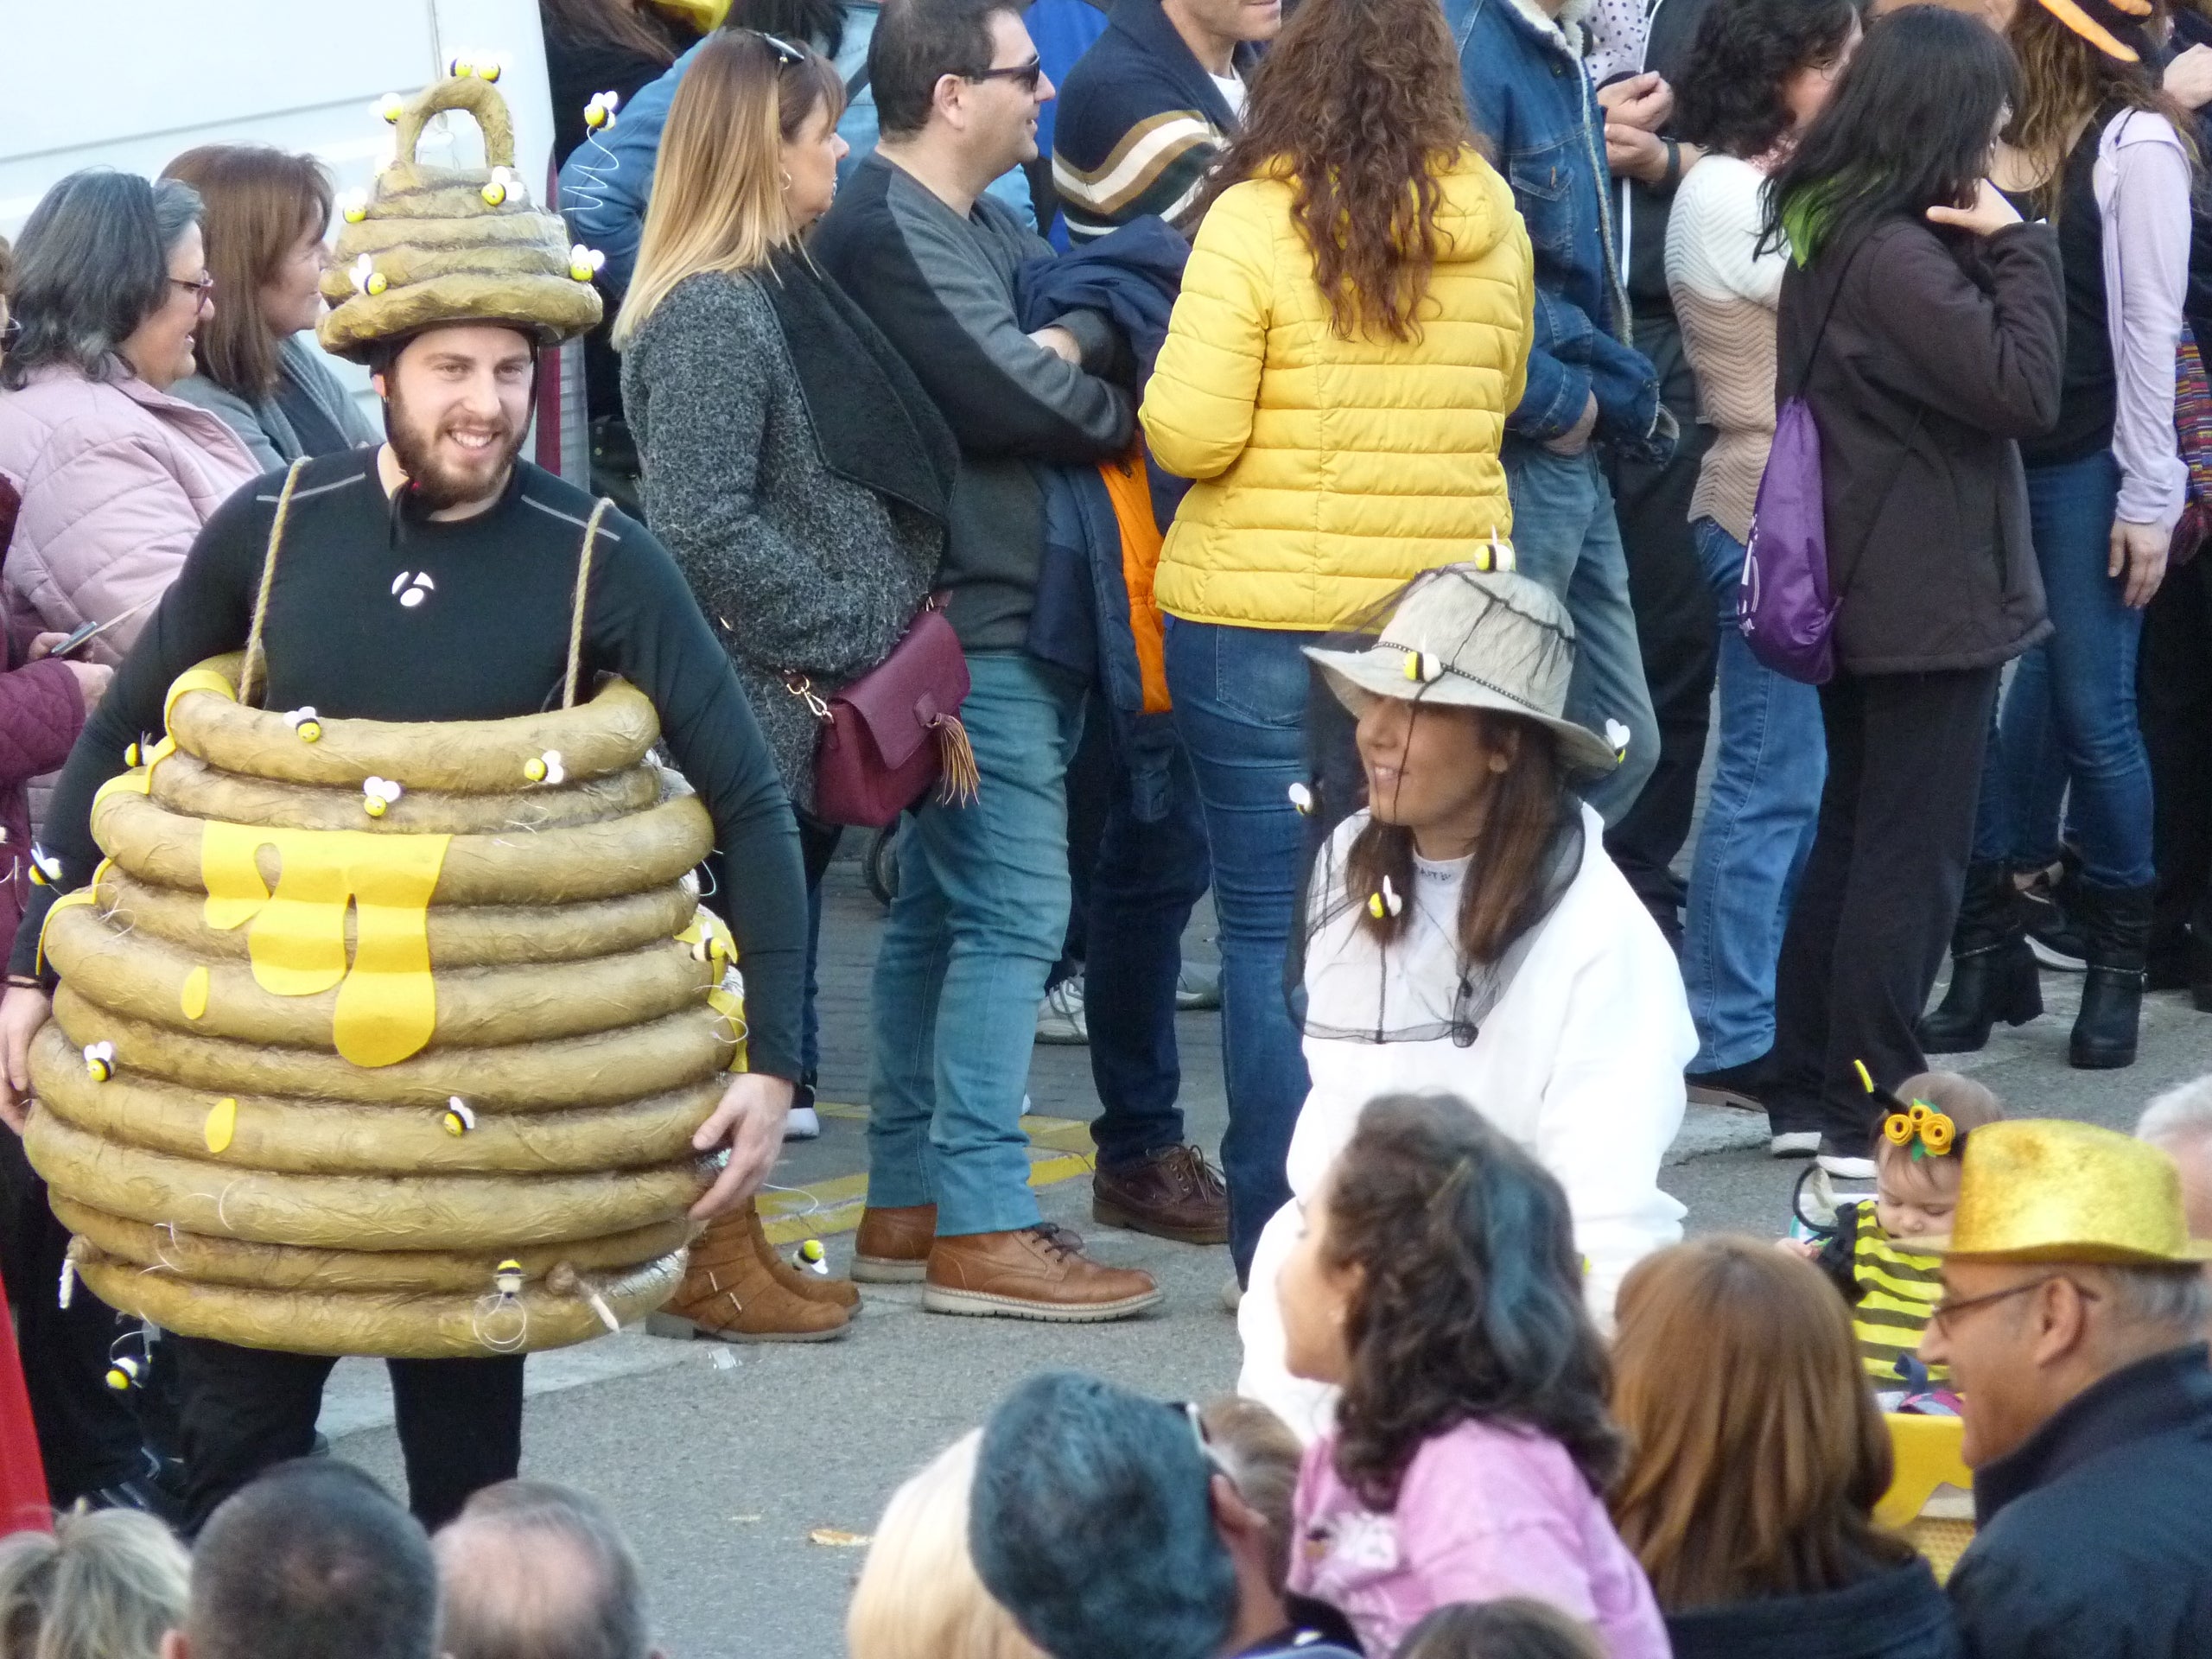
(433, 245)
(2049, 1190)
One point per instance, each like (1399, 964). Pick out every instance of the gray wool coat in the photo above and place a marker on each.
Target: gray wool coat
(799, 569)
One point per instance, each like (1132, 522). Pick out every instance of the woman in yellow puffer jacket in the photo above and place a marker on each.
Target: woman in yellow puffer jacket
(1339, 399)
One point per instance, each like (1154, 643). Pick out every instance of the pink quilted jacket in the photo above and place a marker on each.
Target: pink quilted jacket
(116, 480)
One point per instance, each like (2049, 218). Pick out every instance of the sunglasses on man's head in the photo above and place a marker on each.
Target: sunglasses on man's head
(1024, 75)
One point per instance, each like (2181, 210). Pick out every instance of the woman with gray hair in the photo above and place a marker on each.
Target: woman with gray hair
(102, 1585)
(116, 474)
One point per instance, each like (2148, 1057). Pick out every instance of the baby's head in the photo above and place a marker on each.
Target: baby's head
(1917, 1184)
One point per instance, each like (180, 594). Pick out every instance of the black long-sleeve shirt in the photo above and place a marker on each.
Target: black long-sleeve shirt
(487, 640)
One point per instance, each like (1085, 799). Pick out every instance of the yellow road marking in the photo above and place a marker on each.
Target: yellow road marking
(1060, 1150)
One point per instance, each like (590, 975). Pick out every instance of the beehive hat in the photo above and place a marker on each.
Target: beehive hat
(434, 244)
(2048, 1190)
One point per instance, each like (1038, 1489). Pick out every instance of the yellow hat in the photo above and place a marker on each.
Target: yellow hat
(432, 245)
(2051, 1189)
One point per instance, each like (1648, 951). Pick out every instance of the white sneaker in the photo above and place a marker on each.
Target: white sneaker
(1847, 1169)
(803, 1124)
(1060, 1016)
(1799, 1143)
(1199, 986)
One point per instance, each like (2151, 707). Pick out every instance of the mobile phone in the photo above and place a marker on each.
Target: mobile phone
(76, 641)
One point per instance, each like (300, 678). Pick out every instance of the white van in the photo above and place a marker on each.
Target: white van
(130, 84)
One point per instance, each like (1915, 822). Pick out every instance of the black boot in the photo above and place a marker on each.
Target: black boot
(1992, 971)
(2116, 930)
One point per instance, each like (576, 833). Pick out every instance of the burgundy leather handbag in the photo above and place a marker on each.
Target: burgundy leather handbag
(891, 733)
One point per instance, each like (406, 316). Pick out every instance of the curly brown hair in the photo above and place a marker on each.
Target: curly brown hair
(1469, 1303)
(1358, 102)
(2065, 83)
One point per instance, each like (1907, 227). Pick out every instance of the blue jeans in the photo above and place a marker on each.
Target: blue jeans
(1758, 825)
(1566, 537)
(2083, 679)
(979, 920)
(1146, 881)
(1240, 708)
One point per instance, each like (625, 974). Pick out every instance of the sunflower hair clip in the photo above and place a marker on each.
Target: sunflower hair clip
(1912, 1123)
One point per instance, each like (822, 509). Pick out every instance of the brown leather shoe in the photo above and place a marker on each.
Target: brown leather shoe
(814, 1286)
(1039, 1273)
(893, 1247)
(1172, 1193)
(729, 1294)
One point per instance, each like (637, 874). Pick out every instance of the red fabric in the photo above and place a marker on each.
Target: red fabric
(24, 1503)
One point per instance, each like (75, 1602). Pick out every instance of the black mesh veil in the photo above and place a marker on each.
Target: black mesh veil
(1479, 641)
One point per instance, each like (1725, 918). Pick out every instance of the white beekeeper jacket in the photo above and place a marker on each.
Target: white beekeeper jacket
(1580, 1061)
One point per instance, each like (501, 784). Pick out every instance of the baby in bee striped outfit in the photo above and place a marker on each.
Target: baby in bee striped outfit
(1870, 1256)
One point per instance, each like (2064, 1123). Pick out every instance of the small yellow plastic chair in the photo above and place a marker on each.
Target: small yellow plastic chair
(1930, 1500)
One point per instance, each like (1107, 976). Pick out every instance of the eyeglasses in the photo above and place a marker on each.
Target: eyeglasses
(1950, 1306)
(1024, 75)
(1196, 1419)
(787, 53)
(198, 287)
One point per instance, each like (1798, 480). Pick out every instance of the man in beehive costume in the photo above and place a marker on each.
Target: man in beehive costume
(440, 578)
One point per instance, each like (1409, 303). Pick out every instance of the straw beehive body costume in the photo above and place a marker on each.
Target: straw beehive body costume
(386, 1011)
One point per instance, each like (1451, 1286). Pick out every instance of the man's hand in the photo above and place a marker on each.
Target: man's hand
(1644, 101)
(2138, 555)
(1632, 153)
(1576, 438)
(749, 1122)
(2189, 77)
(23, 1011)
(1060, 343)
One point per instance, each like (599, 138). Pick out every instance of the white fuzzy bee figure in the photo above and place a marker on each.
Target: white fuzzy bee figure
(545, 768)
(458, 1120)
(1385, 903)
(304, 725)
(390, 108)
(1617, 739)
(378, 795)
(599, 112)
(1302, 799)
(501, 185)
(46, 868)
(353, 207)
(584, 263)
(99, 1061)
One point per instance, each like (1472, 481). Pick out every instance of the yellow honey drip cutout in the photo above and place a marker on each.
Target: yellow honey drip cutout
(296, 938)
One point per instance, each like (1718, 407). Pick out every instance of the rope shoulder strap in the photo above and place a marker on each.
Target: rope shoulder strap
(254, 673)
(598, 511)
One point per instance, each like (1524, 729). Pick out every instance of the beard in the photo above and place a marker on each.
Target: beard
(436, 483)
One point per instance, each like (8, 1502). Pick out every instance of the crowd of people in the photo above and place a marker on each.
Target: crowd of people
(1320, 454)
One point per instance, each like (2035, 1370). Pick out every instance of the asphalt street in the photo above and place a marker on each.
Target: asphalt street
(729, 1465)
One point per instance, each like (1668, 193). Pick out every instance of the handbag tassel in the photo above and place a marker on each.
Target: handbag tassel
(956, 762)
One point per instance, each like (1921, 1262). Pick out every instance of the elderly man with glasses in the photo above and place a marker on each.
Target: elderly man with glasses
(2072, 1320)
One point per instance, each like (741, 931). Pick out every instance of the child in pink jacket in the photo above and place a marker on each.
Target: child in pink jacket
(1435, 1282)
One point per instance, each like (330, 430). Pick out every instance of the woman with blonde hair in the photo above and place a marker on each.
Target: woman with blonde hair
(918, 1597)
(104, 1584)
(1756, 1458)
(268, 212)
(797, 473)
(1352, 332)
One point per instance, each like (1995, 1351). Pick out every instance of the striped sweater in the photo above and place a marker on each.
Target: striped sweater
(1892, 1292)
(1139, 125)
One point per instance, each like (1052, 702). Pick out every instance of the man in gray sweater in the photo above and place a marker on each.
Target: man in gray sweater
(984, 888)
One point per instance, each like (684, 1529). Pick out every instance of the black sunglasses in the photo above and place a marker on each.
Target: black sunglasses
(787, 53)
(1024, 75)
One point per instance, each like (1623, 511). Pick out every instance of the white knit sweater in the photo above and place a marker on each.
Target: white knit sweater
(1580, 1062)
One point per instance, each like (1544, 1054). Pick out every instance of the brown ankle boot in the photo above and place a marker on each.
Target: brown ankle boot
(893, 1246)
(730, 1293)
(814, 1286)
(1038, 1273)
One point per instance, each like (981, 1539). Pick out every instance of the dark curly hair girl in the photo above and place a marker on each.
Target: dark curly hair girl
(1358, 102)
(1731, 97)
(1469, 1301)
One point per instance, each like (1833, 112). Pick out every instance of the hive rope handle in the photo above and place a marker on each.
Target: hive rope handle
(576, 611)
(255, 648)
(470, 93)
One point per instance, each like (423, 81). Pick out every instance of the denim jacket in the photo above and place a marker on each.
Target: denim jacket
(1529, 97)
